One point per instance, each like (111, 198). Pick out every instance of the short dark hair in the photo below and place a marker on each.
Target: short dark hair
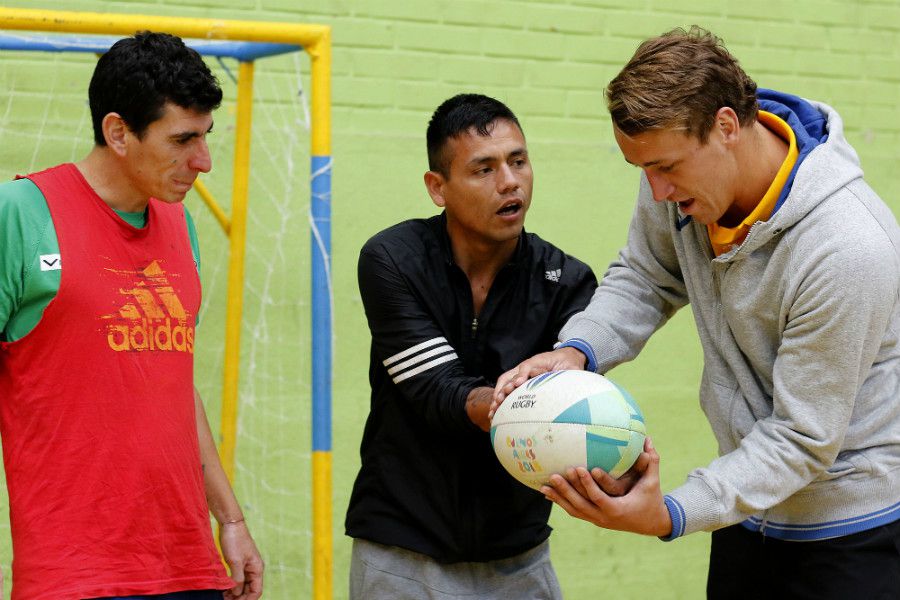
(139, 74)
(679, 80)
(456, 116)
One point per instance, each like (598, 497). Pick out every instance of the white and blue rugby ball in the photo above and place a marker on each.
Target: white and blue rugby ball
(566, 419)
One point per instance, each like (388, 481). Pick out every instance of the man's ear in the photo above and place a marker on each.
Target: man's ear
(728, 124)
(434, 183)
(115, 132)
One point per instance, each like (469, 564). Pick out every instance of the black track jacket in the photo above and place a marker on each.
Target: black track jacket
(429, 480)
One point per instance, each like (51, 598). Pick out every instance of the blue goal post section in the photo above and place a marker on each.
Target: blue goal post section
(245, 41)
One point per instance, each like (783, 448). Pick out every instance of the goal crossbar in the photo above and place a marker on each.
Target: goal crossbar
(97, 44)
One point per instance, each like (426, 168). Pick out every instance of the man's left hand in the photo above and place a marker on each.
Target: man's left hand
(244, 562)
(634, 504)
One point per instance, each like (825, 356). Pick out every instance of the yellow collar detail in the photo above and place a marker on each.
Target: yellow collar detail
(724, 238)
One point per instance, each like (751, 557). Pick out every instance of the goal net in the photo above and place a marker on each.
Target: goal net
(45, 120)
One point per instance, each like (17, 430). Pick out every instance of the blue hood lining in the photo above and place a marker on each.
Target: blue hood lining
(809, 126)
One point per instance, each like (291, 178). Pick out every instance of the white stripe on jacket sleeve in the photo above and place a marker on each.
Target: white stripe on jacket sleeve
(415, 355)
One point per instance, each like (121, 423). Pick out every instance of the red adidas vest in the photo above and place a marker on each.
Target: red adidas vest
(97, 411)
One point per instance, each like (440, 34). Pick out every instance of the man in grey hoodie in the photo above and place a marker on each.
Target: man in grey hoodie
(752, 208)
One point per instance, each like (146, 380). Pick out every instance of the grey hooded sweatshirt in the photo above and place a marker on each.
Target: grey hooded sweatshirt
(800, 330)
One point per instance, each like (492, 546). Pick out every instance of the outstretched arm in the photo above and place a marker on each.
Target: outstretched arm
(413, 347)
(238, 548)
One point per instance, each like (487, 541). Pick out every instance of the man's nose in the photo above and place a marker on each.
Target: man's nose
(506, 179)
(660, 186)
(201, 160)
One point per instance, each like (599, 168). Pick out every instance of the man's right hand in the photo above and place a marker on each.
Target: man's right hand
(561, 359)
(244, 562)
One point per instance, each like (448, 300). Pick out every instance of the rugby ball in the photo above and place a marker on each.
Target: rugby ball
(566, 419)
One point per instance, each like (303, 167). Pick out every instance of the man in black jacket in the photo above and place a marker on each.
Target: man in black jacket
(452, 302)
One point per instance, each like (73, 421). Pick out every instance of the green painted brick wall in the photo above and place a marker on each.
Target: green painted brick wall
(393, 62)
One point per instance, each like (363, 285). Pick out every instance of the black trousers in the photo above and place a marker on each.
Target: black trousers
(745, 565)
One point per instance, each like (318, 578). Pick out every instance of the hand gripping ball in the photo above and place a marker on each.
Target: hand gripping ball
(566, 419)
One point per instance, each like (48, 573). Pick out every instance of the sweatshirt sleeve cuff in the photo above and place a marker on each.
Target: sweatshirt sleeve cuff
(585, 348)
(676, 513)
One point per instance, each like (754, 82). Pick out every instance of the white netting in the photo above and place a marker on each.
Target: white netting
(44, 120)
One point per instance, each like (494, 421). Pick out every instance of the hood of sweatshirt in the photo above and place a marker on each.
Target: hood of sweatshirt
(825, 163)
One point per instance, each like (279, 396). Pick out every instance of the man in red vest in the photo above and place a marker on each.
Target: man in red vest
(110, 463)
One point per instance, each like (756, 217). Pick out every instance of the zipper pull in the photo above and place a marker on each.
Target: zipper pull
(474, 326)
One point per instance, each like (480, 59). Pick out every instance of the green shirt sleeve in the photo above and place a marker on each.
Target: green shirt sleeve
(27, 238)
